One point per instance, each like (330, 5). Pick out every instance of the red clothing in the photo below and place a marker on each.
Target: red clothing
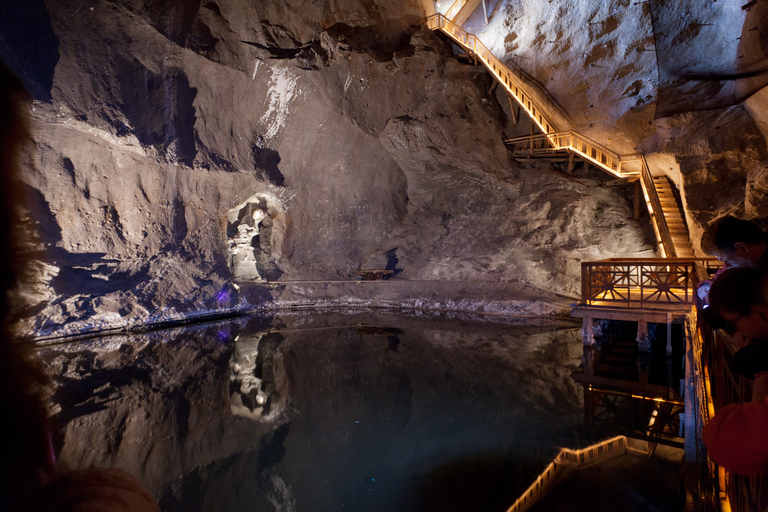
(737, 437)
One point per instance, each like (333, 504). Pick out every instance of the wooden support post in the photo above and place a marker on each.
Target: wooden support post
(642, 368)
(588, 331)
(589, 405)
(493, 87)
(637, 191)
(669, 378)
(588, 360)
(669, 334)
(643, 338)
(570, 162)
(513, 108)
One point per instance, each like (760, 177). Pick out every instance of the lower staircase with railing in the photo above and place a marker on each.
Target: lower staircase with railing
(672, 214)
(568, 461)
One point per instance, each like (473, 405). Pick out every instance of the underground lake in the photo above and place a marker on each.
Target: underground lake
(359, 411)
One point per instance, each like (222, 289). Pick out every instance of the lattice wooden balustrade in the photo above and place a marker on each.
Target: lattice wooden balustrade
(644, 283)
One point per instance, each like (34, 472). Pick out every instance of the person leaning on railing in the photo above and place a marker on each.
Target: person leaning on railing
(736, 436)
(735, 242)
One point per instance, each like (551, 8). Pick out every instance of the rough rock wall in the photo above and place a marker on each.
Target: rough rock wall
(162, 127)
(679, 81)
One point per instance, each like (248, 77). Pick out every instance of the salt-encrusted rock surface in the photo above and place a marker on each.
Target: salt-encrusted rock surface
(680, 82)
(177, 142)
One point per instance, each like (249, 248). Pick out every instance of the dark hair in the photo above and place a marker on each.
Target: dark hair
(724, 233)
(737, 289)
(23, 427)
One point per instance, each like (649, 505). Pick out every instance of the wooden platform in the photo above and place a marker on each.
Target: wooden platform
(608, 312)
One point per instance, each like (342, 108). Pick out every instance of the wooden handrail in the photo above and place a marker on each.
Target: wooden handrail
(568, 460)
(543, 116)
(585, 147)
(699, 410)
(660, 227)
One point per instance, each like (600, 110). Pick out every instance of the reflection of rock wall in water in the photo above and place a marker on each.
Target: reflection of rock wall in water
(171, 407)
(258, 386)
(156, 404)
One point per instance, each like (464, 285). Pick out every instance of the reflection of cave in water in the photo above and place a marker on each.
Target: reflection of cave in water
(333, 412)
(254, 380)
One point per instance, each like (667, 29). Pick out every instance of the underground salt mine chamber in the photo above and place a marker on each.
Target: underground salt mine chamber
(373, 256)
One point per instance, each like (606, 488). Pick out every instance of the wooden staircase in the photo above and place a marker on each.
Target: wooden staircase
(673, 240)
(671, 211)
(460, 11)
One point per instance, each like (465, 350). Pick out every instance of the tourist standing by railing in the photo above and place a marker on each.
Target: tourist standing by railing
(736, 436)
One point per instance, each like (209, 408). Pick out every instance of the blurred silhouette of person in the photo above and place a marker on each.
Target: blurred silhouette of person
(735, 242)
(736, 436)
(29, 480)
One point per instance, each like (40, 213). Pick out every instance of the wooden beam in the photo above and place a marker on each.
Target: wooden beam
(514, 108)
(622, 385)
(617, 313)
(636, 193)
(748, 5)
(461, 17)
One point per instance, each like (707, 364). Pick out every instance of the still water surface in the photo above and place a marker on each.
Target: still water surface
(359, 412)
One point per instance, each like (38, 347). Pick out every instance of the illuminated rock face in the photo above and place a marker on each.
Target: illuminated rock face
(673, 80)
(157, 124)
(255, 232)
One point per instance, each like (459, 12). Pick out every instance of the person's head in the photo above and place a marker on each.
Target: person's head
(737, 242)
(738, 298)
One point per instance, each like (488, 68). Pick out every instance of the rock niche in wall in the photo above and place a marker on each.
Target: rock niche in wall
(255, 231)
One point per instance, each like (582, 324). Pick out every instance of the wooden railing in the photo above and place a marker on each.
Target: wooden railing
(699, 410)
(542, 114)
(586, 148)
(742, 493)
(652, 201)
(667, 283)
(566, 461)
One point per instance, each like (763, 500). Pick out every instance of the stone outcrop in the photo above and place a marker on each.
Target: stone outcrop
(180, 145)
